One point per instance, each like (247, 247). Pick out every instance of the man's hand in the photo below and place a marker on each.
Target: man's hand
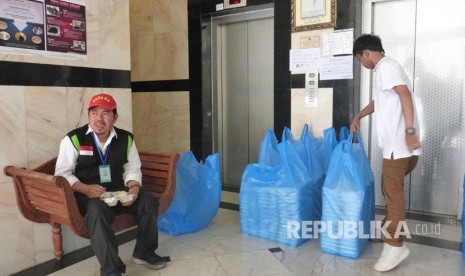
(355, 124)
(133, 190)
(94, 191)
(91, 190)
(413, 142)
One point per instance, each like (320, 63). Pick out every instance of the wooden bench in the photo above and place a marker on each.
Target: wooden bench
(45, 198)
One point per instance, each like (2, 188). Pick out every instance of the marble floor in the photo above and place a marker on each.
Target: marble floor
(221, 249)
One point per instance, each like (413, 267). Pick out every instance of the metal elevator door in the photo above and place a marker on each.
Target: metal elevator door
(427, 37)
(243, 54)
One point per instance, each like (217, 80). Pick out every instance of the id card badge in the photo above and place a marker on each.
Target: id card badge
(105, 173)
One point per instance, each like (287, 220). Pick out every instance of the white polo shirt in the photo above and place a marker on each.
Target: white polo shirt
(389, 119)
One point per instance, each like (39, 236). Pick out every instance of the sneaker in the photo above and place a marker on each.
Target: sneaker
(154, 261)
(391, 257)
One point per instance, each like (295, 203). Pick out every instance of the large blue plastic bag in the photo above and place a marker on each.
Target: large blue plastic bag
(348, 198)
(298, 148)
(273, 196)
(316, 170)
(343, 133)
(307, 149)
(268, 154)
(197, 196)
(294, 166)
(281, 188)
(326, 146)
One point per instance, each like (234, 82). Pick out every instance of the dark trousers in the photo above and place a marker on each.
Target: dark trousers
(99, 217)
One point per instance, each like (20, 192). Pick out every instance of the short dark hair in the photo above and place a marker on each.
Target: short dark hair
(367, 42)
(115, 111)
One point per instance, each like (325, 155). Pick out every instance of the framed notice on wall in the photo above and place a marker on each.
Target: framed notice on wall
(22, 25)
(309, 15)
(44, 27)
(65, 23)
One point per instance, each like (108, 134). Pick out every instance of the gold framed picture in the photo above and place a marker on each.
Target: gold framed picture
(307, 15)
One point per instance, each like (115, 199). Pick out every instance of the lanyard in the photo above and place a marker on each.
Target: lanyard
(104, 158)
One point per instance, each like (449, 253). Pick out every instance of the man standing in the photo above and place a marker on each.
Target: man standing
(99, 157)
(397, 132)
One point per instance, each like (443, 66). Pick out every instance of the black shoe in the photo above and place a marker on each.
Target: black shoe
(153, 261)
(114, 273)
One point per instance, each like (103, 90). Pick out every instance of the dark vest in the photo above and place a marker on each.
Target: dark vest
(87, 166)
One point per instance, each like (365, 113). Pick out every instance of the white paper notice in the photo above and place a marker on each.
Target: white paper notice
(337, 43)
(336, 68)
(304, 59)
(312, 8)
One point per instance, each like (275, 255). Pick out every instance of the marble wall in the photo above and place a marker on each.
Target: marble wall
(161, 121)
(159, 51)
(34, 119)
(159, 44)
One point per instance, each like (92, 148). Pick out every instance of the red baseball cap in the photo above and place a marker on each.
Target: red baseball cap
(102, 100)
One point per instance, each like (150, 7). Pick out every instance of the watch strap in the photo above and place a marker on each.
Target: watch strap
(410, 131)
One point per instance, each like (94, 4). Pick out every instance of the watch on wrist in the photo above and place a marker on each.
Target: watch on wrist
(410, 131)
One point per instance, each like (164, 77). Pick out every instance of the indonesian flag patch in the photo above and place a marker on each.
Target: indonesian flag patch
(86, 150)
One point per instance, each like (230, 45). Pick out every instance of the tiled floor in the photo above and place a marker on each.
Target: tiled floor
(221, 249)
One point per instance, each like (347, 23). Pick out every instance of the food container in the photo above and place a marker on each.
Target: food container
(126, 198)
(112, 198)
(109, 199)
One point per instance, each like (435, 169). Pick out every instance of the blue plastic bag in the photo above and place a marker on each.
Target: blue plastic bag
(197, 196)
(271, 197)
(268, 154)
(274, 193)
(307, 149)
(298, 148)
(348, 200)
(343, 133)
(316, 170)
(328, 146)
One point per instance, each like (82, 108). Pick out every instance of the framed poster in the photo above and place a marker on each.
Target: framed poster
(65, 25)
(309, 15)
(44, 27)
(22, 25)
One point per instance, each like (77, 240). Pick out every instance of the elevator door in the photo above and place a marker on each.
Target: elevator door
(244, 54)
(427, 38)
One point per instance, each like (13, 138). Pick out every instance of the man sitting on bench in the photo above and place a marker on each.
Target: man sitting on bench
(99, 158)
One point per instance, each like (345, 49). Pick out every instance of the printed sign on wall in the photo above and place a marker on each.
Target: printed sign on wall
(43, 27)
(66, 27)
(22, 24)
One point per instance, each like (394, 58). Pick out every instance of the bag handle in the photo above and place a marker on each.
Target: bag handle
(304, 131)
(287, 135)
(355, 139)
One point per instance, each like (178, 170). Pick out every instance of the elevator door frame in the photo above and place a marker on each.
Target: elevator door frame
(217, 87)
